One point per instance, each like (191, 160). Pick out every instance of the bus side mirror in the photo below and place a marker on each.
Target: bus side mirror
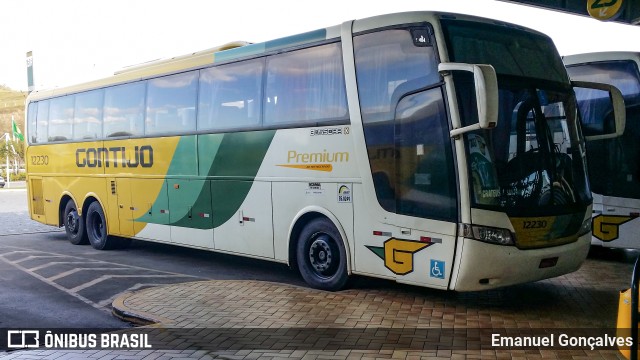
(486, 89)
(593, 117)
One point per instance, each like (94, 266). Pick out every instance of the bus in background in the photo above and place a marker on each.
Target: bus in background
(432, 149)
(614, 163)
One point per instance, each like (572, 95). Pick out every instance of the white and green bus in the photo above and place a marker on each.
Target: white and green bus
(614, 163)
(433, 149)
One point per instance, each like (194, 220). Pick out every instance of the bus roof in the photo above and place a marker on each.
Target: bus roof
(241, 49)
(600, 56)
(179, 62)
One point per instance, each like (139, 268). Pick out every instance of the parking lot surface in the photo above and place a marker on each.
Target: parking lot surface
(245, 319)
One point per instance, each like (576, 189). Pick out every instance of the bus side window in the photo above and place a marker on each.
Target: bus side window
(405, 125)
(87, 123)
(389, 66)
(425, 182)
(306, 86)
(124, 110)
(171, 104)
(42, 125)
(32, 112)
(61, 118)
(230, 96)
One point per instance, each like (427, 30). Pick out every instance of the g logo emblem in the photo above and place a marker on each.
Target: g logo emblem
(398, 254)
(606, 227)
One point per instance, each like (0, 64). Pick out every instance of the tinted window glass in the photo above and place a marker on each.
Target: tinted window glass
(614, 164)
(32, 112)
(509, 50)
(596, 111)
(171, 104)
(595, 105)
(622, 74)
(61, 118)
(124, 110)
(42, 126)
(230, 96)
(425, 183)
(88, 115)
(305, 86)
(406, 129)
(388, 66)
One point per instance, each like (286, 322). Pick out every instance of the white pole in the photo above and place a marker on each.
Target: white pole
(6, 141)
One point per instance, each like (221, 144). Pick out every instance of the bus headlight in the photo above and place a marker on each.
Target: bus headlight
(489, 234)
(585, 227)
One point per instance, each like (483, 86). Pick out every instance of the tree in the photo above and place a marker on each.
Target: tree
(15, 150)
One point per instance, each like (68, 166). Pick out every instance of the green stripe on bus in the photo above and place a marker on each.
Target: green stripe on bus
(231, 162)
(239, 52)
(255, 49)
(239, 156)
(184, 162)
(299, 39)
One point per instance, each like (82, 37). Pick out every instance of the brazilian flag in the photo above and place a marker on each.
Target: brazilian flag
(17, 134)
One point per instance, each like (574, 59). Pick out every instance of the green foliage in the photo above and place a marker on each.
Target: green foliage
(11, 107)
(15, 150)
(19, 176)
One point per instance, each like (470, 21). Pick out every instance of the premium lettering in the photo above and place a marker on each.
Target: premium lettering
(320, 157)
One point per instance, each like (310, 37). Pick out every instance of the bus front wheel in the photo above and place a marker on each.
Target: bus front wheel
(321, 256)
(74, 225)
(96, 226)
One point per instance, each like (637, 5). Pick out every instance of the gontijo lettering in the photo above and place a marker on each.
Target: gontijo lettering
(107, 157)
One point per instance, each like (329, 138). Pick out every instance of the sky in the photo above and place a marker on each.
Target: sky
(74, 41)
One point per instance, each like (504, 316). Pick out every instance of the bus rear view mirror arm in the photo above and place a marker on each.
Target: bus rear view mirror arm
(617, 102)
(486, 91)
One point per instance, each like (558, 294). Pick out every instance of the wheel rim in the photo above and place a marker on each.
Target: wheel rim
(73, 222)
(97, 226)
(323, 255)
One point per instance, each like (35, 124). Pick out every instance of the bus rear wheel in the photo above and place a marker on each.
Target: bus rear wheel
(97, 227)
(321, 256)
(74, 224)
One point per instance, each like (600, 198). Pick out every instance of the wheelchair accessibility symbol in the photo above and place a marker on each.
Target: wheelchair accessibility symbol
(437, 269)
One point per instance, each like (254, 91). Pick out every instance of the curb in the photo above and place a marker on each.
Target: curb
(120, 310)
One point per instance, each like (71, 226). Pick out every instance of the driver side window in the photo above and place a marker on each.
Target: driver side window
(405, 124)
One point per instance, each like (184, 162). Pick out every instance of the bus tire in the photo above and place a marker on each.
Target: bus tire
(96, 226)
(74, 224)
(321, 256)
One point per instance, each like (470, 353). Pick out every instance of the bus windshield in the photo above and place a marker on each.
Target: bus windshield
(533, 162)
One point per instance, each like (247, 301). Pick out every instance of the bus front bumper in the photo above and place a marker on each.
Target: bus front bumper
(485, 266)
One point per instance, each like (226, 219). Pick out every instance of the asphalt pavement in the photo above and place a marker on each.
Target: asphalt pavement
(243, 318)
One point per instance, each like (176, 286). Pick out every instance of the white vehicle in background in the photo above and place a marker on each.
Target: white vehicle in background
(614, 163)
